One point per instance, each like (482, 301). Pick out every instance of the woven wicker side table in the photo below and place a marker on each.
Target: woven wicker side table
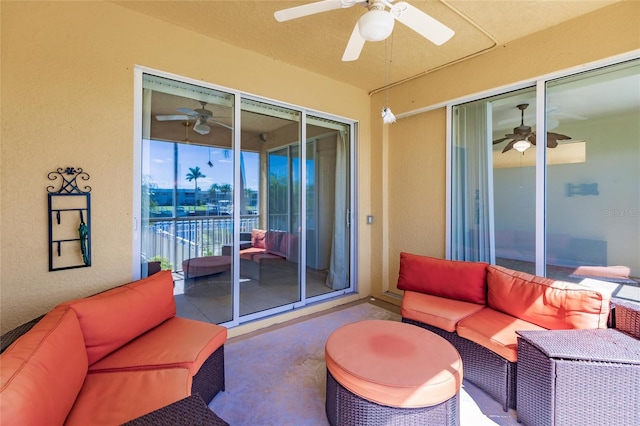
(578, 377)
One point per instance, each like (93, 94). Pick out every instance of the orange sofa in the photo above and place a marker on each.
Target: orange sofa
(479, 307)
(110, 358)
(264, 254)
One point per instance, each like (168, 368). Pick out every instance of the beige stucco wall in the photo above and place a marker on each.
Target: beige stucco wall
(67, 100)
(411, 183)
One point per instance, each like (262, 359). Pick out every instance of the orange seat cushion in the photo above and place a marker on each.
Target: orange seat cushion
(394, 364)
(42, 372)
(249, 252)
(456, 280)
(495, 331)
(436, 311)
(115, 317)
(545, 302)
(117, 397)
(178, 342)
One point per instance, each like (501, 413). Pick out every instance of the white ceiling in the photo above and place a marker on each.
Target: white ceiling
(317, 42)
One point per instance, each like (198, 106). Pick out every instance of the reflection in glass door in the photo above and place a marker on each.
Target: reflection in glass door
(514, 179)
(561, 201)
(247, 207)
(269, 260)
(593, 177)
(187, 193)
(327, 207)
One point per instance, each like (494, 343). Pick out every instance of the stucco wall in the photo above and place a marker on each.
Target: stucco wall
(67, 100)
(607, 32)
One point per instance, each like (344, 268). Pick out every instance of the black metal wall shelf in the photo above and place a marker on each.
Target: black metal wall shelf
(69, 220)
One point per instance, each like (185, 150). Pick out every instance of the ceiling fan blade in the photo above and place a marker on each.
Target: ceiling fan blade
(557, 136)
(516, 136)
(217, 123)
(428, 27)
(188, 111)
(552, 143)
(500, 140)
(312, 9)
(532, 138)
(509, 146)
(354, 46)
(172, 117)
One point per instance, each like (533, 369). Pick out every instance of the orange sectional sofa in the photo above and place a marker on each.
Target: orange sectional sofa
(110, 358)
(479, 307)
(263, 254)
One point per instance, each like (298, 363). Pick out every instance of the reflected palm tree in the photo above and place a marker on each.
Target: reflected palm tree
(193, 175)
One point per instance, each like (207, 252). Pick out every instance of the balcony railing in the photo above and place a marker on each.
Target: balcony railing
(175, 240)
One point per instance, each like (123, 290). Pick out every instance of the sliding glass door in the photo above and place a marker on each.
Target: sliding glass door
(593, 179)
(246, 201)
(328, 207)
(562, 202)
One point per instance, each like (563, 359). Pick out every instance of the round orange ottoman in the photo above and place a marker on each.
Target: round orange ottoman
(387, 372)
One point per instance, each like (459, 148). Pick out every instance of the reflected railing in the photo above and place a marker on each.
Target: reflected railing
(176, 240)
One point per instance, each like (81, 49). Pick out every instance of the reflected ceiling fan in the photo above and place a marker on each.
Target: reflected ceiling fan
(202, 116)
(522, 137)
(376, 24)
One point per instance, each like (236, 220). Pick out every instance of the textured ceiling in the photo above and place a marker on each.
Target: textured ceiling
(317, 42)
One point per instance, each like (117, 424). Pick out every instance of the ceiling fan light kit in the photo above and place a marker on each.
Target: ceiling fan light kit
(376, 25)
(201, 127)
(522, 146)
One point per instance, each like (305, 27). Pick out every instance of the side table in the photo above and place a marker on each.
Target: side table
(578, 377)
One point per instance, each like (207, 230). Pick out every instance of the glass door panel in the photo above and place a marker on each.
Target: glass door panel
(493, 200)
(327, 207)
(593, 173)
(514, 179)
(187, 188)
(269, 252)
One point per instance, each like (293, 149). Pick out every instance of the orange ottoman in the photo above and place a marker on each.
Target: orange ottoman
(387, 372)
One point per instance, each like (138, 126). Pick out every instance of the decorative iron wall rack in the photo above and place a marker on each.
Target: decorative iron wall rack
(69, 220)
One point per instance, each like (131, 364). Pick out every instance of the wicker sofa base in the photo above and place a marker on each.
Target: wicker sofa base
(345, 408)
(189, 411)
(209, 380)
(482, 367)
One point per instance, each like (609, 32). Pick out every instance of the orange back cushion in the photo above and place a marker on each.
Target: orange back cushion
(115, 317)
(456, 280)
(43, 371)
(555, 305)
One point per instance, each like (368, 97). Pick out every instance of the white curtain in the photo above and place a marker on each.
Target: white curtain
(471, 192)
(338, 277)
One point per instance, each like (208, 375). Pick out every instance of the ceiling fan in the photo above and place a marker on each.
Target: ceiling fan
(522, 136)
(201, 115)
(376, 24)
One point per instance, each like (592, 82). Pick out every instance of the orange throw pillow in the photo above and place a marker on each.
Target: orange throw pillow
(257, 238)
(452, 279)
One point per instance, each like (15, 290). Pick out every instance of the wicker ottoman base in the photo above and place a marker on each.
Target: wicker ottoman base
(346, 408)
